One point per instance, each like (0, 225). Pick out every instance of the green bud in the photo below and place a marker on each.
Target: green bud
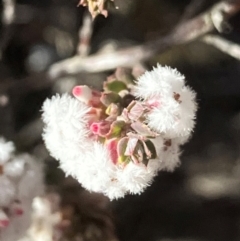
(109, 98)
(113, 110)
(115, 86)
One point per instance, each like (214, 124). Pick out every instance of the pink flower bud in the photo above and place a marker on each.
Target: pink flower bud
(100, 128)
(87, 95)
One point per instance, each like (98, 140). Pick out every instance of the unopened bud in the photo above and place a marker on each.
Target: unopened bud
(94, 115)
(116, 129)
(112, 110)
(109, 98)
(100, 128)
(87, 95)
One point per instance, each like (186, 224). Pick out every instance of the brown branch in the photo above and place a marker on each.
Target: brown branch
(8, 17)
(85, 34)
(129, 57)
(183, 33)
(224, 45)
(191, 9)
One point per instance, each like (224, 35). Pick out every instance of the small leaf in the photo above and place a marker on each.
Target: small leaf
(122, 145)
(115, 86)
(113, 110)
(115, 129)
(136, 112)
(123, 159)
(135, 159)
(143, 129)
(145, 161)
(109, 98)
(149, 147)
(131, 146)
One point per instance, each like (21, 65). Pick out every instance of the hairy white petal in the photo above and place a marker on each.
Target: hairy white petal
(115, 190)
(175, 112)
(6, 150)
(7, 191)
(161, 81)
(31, 184)
(136, 177)
(170, 157)
(155, 164)
(65, 126)
(20, 181)
(15, 168)
(99, 170)
(174, 118)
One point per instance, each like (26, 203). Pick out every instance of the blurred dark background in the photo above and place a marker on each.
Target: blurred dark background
(200, 201)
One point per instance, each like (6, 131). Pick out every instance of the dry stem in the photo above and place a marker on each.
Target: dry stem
(183, 33)
(224, 45)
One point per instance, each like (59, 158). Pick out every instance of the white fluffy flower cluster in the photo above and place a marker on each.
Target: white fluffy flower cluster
(174, 105)
(20, 181)
(172, 113)
(68, 138)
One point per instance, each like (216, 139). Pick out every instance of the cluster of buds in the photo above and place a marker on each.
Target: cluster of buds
(96, 7)
(20, 182)
(116, 141)
(117, 121)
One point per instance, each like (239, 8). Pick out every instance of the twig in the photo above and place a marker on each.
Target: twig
(85, 33)
(191, 9)
(100, 62)
(205, 22)
(183, 33)
(8, 17)
(224, 45)
(8, 12)
(129, 57)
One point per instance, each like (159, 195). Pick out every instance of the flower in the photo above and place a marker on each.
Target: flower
(6, 149)
(170, 101)
(136, 177)
(66, 126)
(21, 180)
(114, 143)
(96, 7)
(161, 81)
